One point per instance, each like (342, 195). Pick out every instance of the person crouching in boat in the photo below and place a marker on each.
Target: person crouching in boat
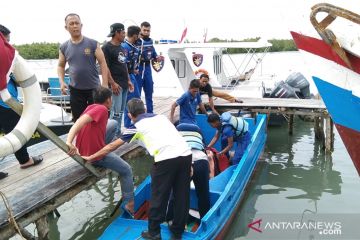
(93, 131)
(172, 166)
(232, 130)
(200, 164)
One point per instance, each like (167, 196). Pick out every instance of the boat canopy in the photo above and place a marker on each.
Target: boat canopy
(246, 45)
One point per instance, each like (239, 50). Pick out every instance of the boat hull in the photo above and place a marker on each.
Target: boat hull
(339, 87)
(226, 192)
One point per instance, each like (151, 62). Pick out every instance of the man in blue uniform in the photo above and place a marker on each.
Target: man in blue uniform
(131, 59)
(147, 53)
(232, 130)
(188, 103)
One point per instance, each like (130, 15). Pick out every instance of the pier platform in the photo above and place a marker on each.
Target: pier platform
(37, 191)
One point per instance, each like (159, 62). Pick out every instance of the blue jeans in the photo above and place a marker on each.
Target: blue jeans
(117, 164)
(117, 109)
(145, 82)
(131, 95)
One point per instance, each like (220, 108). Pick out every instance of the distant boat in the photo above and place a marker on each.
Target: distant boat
(334, 62)
(226, 192)
(242, 78)
(55, 118)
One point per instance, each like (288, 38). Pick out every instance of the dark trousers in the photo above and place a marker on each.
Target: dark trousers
(201, 182)
(8, 120)
(145, 81)
(171, 174)
(79, 100)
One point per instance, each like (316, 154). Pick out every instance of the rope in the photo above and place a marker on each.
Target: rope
(11, 215)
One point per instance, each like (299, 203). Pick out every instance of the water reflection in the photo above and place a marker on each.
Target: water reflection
(296, 169)
(293, 177)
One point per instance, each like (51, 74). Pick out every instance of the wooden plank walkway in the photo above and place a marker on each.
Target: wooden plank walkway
(36, 191)
(39, 190)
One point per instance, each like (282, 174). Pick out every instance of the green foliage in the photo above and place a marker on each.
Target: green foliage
(278, 45)
(51, 50)
(39, 50)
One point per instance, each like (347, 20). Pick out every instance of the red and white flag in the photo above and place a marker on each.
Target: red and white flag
(183, 35)
(7, 53)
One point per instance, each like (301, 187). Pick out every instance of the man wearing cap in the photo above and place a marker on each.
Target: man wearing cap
(81, 53)
(116, 62)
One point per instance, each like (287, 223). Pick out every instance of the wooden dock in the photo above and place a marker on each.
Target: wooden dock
(34, 192)
(313, 108)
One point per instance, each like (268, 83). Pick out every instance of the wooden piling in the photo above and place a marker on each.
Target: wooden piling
(291, 124)
(42, 227)
(329, 137)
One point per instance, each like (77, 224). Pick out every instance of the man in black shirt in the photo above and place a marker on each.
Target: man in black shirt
(115, 59)
(205, 88)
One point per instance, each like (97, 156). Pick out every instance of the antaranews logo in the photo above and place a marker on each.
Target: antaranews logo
(255, 225)
(304, 226)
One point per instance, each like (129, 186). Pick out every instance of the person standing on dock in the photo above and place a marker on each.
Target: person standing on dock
(232, 130)
(116, 62)
(9, 118)
(81, 53)
(171, 170)
(132, 61)
(93, 131)
(188, 103)
(147, 54)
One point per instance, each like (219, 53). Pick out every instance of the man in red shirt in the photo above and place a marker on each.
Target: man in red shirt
(93, 131)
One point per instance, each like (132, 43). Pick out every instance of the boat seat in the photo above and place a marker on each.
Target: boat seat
(54, 92)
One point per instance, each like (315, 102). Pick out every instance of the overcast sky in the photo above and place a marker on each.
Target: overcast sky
(43, 20)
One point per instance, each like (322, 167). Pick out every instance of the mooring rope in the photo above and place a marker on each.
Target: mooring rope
(10, 214)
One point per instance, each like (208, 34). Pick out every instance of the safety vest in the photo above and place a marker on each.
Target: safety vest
(160, 138)
(192, 135)
(238, 124)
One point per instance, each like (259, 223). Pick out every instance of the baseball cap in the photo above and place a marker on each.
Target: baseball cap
(116, 27)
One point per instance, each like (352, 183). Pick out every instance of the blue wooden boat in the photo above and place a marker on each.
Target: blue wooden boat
(226, 191)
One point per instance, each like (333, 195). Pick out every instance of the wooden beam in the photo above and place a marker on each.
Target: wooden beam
(17, 107)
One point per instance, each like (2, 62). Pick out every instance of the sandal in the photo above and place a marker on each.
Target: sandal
(36, 159)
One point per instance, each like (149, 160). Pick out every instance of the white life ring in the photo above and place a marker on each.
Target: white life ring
(30, 116)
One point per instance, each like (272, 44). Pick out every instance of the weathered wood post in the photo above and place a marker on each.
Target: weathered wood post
(329, 140)
(42, 227)
(291, 123)
(319, 130)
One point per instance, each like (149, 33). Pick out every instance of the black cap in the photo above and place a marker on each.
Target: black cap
(115, 27)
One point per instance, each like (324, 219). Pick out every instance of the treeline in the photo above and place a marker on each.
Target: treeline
(278, 45)
(39, 50)
(51, 50)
